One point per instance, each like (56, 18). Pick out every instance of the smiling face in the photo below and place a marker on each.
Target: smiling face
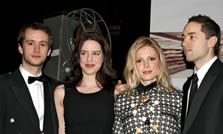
(91, 57)
(147, 64)
(34, 48)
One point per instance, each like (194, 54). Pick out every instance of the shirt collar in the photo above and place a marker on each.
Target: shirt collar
(142, 89)
(203, 70)
(26, 74)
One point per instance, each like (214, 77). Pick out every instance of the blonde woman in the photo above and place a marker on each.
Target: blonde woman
(150, 103)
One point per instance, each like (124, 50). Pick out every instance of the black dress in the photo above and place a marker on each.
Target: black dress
(88, 113)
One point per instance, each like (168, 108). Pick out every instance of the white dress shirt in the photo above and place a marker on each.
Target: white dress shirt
(200, 74)
(37, 94)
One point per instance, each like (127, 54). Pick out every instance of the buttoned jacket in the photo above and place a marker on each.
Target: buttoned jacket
(149, 111)
(17, 111)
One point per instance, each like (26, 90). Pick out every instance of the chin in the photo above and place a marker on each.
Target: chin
(189, 59)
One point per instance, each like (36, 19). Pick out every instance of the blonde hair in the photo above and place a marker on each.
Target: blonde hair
(130, 73)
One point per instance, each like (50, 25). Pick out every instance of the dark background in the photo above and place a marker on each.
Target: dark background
(133, 16)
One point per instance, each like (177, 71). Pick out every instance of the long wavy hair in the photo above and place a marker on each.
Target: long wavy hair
(130, 73)
(106, 72)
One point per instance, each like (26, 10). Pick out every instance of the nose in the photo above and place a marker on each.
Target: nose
(184, 42)
(36, 47)
(146, 64)
(89, 57)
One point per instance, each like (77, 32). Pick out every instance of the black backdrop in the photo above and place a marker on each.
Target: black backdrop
(133, 17)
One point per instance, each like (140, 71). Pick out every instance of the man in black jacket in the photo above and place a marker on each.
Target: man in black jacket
(26, 103)
(201, 42)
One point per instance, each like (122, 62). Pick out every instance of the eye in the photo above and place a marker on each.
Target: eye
(29, 43)
(96, 53)
(44, 44)
(138, 61)
(82, 53)
(152, 58)
(192, 37)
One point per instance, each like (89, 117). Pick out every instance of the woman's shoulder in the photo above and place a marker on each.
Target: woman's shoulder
(60, 88)
(123, 97)
(59, 92)
(175, 93)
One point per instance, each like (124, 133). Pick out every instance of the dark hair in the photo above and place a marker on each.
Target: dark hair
(209, 27)
(35, 26)
(106, 72)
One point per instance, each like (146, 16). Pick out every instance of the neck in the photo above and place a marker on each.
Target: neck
(201, 62)
(90, 81)
(145, 83)
(35, 70)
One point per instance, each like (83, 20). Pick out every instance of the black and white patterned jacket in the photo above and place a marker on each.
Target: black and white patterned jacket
(148, 110)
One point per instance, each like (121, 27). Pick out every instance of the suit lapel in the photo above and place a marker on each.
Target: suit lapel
(201, 93)
(23, 96)
(47, 107)
(184, 101)
(49, 125)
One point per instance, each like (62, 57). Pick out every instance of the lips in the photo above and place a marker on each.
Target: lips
(147, 72)
(36, 56)
(186, 51)
(89, 65)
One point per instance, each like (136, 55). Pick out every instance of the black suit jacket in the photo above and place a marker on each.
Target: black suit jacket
(206, 112)
(17, 111)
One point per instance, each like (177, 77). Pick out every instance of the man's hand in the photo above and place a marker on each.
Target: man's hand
(120, 88)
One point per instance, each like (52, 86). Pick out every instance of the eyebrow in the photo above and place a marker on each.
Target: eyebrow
(191, 33)
(35, 41)
(92, 51)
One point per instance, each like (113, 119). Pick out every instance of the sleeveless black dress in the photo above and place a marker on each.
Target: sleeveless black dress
(88, 113)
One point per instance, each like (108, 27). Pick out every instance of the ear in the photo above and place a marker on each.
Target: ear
(49, 52)
(212, 41)
(20, 49)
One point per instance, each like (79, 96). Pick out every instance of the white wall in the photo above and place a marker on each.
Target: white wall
(172, 15)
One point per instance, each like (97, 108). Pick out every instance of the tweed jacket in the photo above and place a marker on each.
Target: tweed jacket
(147, 110)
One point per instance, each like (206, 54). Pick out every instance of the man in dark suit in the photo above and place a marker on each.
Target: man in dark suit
(27, 104)
(201, 42)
